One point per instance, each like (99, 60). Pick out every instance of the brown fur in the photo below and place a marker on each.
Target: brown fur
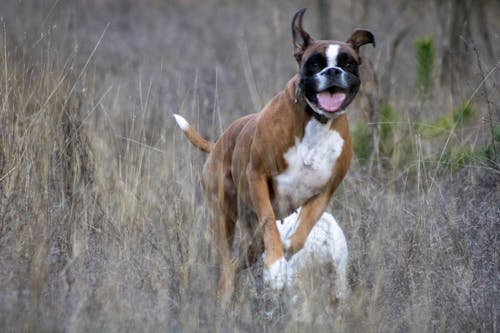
(238, 176)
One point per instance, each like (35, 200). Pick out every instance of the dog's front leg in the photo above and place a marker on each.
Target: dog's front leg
(315, 206)
(310, 212)
(274, 261)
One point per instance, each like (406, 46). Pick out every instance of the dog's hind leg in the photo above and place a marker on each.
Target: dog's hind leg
(223, 236)
(253, 246)
(223, 225)
(217, 184)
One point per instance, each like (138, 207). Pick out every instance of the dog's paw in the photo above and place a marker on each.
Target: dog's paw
(275, 276)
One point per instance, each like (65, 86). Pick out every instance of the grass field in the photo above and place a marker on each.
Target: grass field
(102, 223)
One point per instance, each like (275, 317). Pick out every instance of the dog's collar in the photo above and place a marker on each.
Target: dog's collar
(309, 107)
(317, 114)
(319, 117)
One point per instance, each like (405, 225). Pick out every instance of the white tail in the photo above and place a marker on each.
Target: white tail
(192, 135)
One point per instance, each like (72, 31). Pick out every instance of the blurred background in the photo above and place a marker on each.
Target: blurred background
(102, 226)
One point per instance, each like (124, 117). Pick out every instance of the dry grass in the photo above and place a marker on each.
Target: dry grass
(102, 226)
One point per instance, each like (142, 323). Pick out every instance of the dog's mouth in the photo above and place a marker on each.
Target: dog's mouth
(331, 99)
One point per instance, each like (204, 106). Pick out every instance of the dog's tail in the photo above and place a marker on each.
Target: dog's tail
(193, 136)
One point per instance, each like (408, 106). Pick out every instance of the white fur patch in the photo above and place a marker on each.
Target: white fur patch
(332, 52)
(325, 246)
(310, 165)
(183, 124)
(275, 276)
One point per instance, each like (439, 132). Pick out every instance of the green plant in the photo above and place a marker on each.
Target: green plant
(361, 141)
(496, 133)
(425, 54)
(462, 114)
(388, 118)
(447, 123)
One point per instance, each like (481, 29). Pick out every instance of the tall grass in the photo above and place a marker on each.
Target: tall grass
(102, 223)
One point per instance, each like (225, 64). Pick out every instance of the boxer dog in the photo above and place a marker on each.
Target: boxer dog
(294, 153)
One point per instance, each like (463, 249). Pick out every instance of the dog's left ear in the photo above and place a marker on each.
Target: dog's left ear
(359, 38)
(301, 39)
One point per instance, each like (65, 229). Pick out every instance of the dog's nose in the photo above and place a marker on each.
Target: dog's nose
(332, 71)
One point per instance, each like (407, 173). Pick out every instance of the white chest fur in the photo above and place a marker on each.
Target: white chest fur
(310, 165)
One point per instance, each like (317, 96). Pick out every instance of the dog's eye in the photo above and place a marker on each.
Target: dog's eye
(350, 66)
(315, 66)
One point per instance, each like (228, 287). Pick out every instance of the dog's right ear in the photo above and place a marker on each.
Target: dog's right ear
(301, 38)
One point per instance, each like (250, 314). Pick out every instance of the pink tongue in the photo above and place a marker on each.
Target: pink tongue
(330, 102)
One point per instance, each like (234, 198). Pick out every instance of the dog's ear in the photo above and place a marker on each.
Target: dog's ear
(301, 38)
(359, 38)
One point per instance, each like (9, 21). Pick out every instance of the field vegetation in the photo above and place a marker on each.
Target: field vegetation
(102, 223)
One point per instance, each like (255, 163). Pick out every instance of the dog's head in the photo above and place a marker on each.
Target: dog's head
(328, 70)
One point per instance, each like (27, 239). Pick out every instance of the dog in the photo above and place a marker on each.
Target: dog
(293, 153)
(325, 245)
(324, 253)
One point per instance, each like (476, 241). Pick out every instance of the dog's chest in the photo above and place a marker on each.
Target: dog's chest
(311, 162)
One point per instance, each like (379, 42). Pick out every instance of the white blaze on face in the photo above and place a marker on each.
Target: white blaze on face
(332, 52)
(329, 102)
